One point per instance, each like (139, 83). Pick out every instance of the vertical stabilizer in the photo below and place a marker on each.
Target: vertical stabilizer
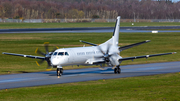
(115, 36)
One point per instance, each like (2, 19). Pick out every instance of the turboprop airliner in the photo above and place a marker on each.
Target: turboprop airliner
(105, 53)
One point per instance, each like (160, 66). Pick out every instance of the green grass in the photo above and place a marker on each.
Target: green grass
(27, 44)
(63, 25)
(163, 87)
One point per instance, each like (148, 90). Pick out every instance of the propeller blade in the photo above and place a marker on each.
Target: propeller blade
(37, 51)
(46, 47)
(52, 51)
(39, 62)
(41, 53)
(49, 68)
(100, 50)
(47, 55)
(57, 47)
(112, 54)
(108, 48)
(48, 61)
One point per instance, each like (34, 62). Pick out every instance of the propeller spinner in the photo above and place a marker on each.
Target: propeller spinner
(106, 56)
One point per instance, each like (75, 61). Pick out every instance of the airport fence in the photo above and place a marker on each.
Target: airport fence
(82, 20)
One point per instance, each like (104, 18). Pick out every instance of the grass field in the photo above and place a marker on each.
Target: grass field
(164, 87)
(27, 43)
(62, 25)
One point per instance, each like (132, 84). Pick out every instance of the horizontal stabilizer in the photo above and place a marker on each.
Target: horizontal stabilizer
(132, 45)
(88, 43)
(145, 56)
(22, 55)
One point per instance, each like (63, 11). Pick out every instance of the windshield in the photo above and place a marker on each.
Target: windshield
(66, 53)
(61, 53)
(55, 53)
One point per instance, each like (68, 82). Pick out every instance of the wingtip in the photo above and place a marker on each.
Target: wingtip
(174, 52)
(148, 40)
(118, 17)
(80, 40)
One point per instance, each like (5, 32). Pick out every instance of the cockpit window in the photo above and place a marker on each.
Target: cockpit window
(66, 53)
(55, 53)
(61, 53)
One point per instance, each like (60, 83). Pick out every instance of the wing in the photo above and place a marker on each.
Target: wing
(144, 56)
(22, 55)
(132, 45)
(88, 43)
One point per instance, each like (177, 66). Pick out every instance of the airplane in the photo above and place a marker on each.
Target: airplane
(105, 53)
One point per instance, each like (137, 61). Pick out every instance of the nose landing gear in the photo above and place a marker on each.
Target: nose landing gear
(117, 70)
(59, 71)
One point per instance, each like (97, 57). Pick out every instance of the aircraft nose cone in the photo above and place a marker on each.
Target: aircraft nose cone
(54, 62)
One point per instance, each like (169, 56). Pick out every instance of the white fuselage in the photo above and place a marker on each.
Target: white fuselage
(79, 55)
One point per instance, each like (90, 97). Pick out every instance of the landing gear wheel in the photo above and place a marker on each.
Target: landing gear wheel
(117, 70)
(59, 71)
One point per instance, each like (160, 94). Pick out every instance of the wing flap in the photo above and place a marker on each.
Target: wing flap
(22, 55)
(144, 56)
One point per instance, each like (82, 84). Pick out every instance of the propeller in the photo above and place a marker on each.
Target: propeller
(106, 56)
(47, 55)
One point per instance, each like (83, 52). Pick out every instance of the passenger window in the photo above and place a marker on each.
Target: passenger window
(55, 53)
(61, 53)
(66, 53)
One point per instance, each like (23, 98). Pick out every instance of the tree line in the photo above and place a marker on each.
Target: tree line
(78, 9)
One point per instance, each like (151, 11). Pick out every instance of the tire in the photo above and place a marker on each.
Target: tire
(115, 70)
(58, 72)
(61, 71)
(119, 70)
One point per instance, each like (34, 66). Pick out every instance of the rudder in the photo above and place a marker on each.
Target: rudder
(116, 32)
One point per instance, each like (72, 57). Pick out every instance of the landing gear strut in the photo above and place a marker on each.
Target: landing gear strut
(59, 71)
(117, 70)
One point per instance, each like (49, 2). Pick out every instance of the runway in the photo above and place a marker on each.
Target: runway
(78, 75)
(142, 29)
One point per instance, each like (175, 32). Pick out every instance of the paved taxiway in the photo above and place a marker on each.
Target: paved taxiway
(77, 75)
(142, 29)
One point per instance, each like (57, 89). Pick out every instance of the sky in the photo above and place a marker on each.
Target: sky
(175, 0)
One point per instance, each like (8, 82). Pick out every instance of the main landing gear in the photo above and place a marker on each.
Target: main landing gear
(59, 71)
(117, 70)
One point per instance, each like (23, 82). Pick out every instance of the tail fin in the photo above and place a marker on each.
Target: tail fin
(115, 36)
